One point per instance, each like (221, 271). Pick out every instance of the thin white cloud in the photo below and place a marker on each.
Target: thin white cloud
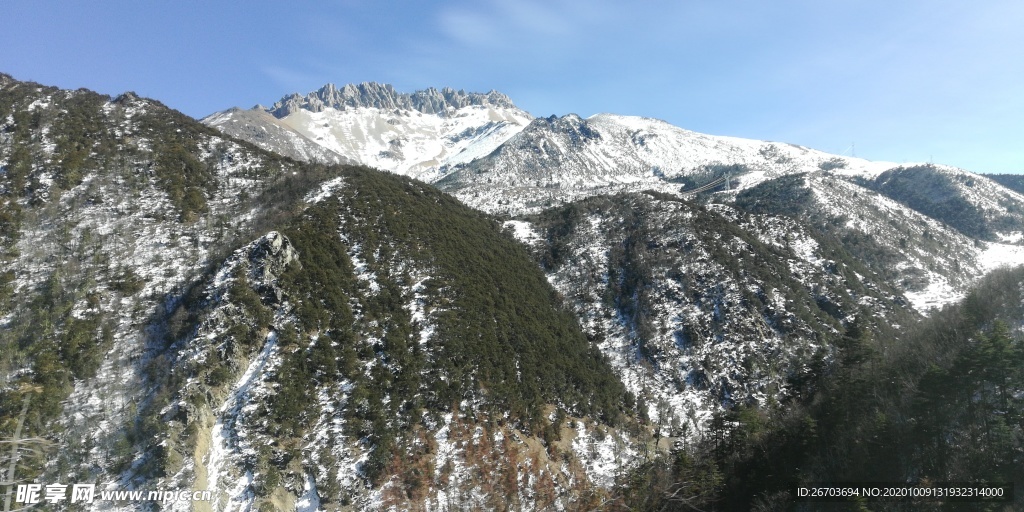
(290, 79)
(536, 18)
(502, 23)
(470, 28)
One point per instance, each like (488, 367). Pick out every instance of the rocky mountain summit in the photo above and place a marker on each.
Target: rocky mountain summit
(414, 134)
(384, 96)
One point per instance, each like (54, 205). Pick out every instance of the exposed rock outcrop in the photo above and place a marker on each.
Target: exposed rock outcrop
(268, 258)
(384, 96)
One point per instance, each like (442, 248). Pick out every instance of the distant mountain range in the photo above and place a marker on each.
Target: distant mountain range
(495, 157)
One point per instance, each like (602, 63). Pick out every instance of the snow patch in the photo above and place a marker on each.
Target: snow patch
(310, 500)
(225, 439)
(937, 294)
(523, 231)
(326, 190)
(996, 255)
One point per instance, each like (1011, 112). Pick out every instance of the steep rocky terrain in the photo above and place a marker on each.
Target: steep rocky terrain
(112, 207)
(699, 306)
(185, 310)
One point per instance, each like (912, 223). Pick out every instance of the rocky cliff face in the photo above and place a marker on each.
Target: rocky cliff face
(228, 358)
(384, 96)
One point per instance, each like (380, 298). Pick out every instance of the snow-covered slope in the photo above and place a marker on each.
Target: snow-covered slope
(972, 204)
(938, 227)
(559, 159)
(409, 142)
(414, 134)
(496, 157)
(268, 132)
(112, 207)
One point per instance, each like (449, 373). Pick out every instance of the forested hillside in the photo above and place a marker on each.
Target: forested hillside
(942, 402)
(183, 310)
(110, 206)
(1010, 181)
(704, 306)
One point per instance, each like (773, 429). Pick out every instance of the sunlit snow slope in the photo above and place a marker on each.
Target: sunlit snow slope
(371, 124)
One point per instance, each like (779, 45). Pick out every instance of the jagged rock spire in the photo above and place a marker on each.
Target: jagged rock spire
(372, 94)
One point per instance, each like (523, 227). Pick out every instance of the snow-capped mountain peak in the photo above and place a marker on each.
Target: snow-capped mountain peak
(417, 134)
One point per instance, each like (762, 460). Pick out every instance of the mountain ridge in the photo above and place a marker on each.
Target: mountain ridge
(416, 134)
(384, 96)
(524, 165)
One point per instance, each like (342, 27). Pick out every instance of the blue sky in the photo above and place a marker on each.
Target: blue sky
(915, 80)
